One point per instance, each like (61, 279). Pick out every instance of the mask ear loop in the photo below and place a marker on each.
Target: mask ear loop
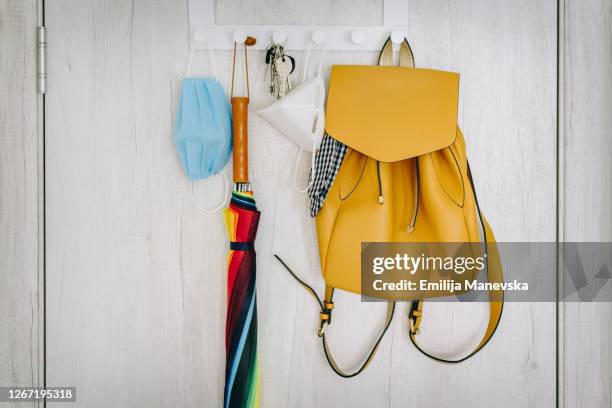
(306, 59)
(315, 129)
(295, 171)
(217, 207)
(211, 62)
(189, 61)
(321, 60)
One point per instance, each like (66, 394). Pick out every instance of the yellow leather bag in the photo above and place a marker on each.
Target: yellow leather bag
(404, 178)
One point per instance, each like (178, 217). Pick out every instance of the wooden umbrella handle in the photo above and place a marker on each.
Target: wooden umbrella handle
(240, 135)
(240, 121)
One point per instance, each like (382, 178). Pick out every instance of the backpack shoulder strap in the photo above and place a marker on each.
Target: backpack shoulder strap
(496, 297)
(495, 312)
(326, 319)
(327, 306)
(330, 358)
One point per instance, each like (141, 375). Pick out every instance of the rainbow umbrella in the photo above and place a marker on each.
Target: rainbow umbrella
(242, 218)
(241, 373)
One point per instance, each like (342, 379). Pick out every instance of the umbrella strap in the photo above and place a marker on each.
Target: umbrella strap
(242, 246)
(327, 305)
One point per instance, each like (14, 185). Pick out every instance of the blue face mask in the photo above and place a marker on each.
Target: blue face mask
(203, 128)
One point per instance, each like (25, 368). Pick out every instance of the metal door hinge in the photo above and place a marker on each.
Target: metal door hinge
(41, 46)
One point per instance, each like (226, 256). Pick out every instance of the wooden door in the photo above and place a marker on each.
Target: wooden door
(136, 273)
(21, 201)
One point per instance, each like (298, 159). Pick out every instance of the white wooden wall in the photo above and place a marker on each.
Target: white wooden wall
(586, 132)
(136, 275)
(20, 297)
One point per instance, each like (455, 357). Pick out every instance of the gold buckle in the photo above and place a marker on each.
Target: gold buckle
(321, 330)
(414, 328)
(414, 321)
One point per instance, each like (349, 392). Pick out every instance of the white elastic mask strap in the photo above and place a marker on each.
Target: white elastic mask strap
(189, 61)
(211, 62)
(318, 126)
(295, 171)
(223, 198)
(312, 169)
(306, 58)
(312, 163)
(321, 60)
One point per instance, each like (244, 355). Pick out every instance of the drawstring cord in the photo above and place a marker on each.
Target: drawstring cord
(416, 196)
(415, 212)
(381, 199)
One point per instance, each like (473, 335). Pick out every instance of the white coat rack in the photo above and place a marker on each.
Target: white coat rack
(206, 34)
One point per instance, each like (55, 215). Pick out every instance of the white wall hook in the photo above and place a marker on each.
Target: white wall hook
(294, 37)
(318, 37)
(279, 37)
(239, 37)
(397, 37)
(357, 37)
(198, 34)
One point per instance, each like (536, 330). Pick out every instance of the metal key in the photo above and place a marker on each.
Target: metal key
(284, 67)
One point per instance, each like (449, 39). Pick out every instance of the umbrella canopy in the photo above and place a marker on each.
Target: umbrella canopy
(241, 372)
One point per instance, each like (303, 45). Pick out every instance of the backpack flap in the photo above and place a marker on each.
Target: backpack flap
(392, 113)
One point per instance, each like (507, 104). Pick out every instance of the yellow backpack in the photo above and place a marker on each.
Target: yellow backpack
(403, 177)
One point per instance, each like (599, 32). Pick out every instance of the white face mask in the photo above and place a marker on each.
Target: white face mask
(300, 115)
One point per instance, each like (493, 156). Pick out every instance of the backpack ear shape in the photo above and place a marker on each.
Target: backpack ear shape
(406, 57)
(386, 53)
